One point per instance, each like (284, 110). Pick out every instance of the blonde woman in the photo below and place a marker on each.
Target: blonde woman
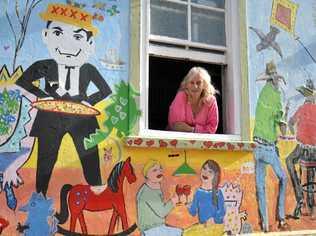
(194, 109)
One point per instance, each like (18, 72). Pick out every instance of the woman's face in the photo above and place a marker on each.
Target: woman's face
(195, 85)
(207, 175)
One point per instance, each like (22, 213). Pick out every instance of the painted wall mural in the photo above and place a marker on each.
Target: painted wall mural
(64, 77)
(282, 94)
(67, 104)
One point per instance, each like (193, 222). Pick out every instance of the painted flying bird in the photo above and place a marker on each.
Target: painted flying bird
(268, 40)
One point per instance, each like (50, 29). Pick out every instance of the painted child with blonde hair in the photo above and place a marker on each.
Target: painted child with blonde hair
(151, 207)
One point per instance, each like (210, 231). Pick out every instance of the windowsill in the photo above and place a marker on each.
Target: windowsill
(170, 139)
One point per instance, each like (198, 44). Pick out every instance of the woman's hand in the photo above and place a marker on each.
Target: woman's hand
(182, 126)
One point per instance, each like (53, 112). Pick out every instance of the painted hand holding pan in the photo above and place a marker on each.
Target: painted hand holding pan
(65, 107)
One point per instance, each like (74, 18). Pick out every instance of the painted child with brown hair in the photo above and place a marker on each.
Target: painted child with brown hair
(208, 203)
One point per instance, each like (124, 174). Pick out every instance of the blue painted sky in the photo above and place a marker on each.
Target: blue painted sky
(113, 34)
(296, 66)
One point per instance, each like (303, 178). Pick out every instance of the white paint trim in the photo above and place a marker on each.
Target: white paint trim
(229, 56)
(197, 5)
(189, 19)
(184, 42)
(177, 1)
(232, 82)
(143, 85)
(160, 134)
(179, 53)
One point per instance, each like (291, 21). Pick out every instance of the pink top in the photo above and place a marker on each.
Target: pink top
(205, 121)
(305, 119)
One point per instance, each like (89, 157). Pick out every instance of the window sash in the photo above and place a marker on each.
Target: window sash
(188, 41)
(189, 2)
(181, 42)
(194, 55)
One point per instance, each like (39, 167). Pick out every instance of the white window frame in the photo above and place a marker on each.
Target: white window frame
(231, 85)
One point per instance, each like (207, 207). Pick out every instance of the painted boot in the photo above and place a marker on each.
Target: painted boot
(298, 210)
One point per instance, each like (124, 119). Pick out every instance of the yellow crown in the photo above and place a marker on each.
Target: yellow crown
(7, 79)
(70, 15)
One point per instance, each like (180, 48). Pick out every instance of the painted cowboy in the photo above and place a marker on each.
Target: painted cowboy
(303, 124)
(269, 117)
(69, 37)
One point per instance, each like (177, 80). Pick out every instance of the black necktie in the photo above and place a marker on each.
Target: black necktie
(67, 84)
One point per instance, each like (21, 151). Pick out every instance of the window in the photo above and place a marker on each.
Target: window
(165, 76)
(188, 22)
(179, 34)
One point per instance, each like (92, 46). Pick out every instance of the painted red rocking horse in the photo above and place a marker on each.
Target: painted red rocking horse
(80, 198)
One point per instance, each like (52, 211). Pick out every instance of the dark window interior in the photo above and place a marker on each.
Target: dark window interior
(165, 76)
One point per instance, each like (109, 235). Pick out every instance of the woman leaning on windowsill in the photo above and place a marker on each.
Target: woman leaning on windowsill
(194, 109)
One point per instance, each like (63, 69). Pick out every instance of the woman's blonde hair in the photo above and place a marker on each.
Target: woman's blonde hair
(208, 89)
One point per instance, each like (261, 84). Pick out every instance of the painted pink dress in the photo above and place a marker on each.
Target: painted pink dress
(205, 121)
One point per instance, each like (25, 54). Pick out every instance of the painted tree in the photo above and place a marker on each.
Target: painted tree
(19, 30)
(122, 115)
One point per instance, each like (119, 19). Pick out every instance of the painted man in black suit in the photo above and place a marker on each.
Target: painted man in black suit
(69, 37)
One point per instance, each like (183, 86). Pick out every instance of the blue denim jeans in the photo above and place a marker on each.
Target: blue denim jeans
(269, 155)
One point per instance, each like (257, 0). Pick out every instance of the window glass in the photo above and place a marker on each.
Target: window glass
(210, 3)
(208, 26)
(168, 19)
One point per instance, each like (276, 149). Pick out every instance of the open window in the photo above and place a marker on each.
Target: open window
(177, 35)
(165, 76)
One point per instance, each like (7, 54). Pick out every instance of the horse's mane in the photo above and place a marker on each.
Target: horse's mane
(115, 173)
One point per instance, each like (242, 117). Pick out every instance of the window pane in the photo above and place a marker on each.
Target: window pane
(208, 26)
(168, 19)
(210, 3)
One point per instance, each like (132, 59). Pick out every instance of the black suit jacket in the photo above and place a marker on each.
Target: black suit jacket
(47, 122)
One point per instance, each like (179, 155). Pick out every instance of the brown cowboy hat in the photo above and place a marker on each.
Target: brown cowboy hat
(270, 70)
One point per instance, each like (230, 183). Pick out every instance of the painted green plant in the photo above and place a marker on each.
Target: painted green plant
(122, 114)
(9, 106)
